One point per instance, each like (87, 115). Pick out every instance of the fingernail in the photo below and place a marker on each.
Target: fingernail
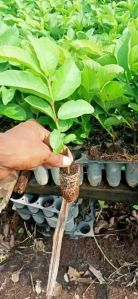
(66, 161)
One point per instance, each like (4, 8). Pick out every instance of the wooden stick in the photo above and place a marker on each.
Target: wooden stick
(6, 188)
(22, 182)
(57, 242)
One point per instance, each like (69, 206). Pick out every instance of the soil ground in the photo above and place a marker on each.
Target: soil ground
(31, 254)
(124, 147)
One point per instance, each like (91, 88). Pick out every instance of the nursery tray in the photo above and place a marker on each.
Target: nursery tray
(123, 193)
(81, 157)
(44, 210)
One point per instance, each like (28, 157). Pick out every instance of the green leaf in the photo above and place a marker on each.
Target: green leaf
(118, 102)
(106, 59)
(4, 66)
(134, 58)
(10, 36)
(81, 35)
(101, 203)
(19, 55)
(2, 107)
(133, 106)
(111, 91)
(7, 94)
(73, 109)
(40, 105)
(114, 121)
(56, 141)
(26, 107)
(122, 50)
(25, 81)
(98, 110)
(90, 76)
(65, 125)
(15, 112)
(109, 72)
(134, 54)
(46, 121)
(67, 79)
(89, 46)
(47, 52)
(69, 138)
(135, 207)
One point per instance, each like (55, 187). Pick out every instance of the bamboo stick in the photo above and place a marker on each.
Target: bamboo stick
(57, 242)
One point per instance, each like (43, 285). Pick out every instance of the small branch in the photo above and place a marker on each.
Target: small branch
(31, 278)
(105, 257)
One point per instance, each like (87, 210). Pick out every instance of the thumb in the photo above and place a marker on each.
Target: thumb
(54, 160)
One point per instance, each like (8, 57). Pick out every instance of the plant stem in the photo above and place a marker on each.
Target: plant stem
(52, 105)
(103, 126)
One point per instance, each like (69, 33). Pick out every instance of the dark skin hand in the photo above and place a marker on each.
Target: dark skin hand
(26, 146)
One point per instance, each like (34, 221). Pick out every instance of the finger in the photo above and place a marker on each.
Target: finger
(43, 133)
(46, 139)
(69, 154)
(53, 160)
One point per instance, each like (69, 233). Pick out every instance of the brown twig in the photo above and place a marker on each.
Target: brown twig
(22, 182)
(32, 283)
(105, 257)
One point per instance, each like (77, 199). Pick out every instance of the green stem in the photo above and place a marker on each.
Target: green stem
(52, 105)
(66, 153)
(103, 126)
(42, 24)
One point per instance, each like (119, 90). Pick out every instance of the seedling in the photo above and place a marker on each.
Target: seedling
(50, 83)
(101, 205)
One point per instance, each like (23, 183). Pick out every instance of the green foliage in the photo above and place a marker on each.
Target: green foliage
(73, 109)
(101, 203)
(47, 53)
(13, 111)
(56, 141)
(40, 104)
(48, 81)
(68, 63)
(135, 207)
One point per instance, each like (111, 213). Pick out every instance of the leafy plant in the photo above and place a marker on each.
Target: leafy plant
(97, 46)
(47, 83)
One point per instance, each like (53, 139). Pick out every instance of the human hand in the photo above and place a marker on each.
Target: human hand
(26, 146)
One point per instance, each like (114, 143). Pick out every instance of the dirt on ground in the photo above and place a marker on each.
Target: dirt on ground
(6, 123)
(103, 267)
(122, 147)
